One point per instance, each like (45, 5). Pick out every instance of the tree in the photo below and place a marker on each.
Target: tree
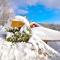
(6, 11)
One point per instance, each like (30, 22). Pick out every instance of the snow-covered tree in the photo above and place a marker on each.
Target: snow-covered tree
(6, 10)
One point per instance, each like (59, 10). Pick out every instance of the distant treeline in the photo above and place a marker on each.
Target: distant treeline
(52, 26)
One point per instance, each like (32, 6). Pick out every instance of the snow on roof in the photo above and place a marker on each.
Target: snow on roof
(46, 33)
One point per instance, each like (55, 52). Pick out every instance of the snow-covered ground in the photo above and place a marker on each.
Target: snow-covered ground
(38, 51)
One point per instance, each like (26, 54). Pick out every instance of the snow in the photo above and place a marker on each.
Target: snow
(35, 49)
(48, 34)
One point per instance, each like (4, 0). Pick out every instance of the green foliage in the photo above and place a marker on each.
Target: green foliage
(17, 36)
